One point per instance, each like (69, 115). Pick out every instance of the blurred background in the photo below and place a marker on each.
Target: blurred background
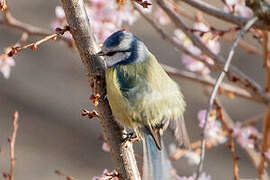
(49, 88)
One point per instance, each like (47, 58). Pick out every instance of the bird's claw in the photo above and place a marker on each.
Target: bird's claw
(131, 137)
(102, 98)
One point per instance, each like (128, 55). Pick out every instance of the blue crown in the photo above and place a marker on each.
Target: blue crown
(114, 39)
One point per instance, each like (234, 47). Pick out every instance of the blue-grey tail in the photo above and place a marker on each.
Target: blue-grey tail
(156, 165)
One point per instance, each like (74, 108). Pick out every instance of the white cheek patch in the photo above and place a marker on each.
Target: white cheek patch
(142, 52)
(116, 58)
(126, 42)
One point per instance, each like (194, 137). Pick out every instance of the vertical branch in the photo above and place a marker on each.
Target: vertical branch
(215, 90)
(266, 124)
(231, 142)
(253, 154)
(11, 140)
(266, 61)
(84, 38)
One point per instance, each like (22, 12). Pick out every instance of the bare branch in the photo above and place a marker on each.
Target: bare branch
(266, 125)
(213, 11)
(231, 141)
(227, 36)
(234, 74)
(215, 89)
(178, 22)
(90, 114)
(252, 120)
(225, 88)
(18, 46)
(253, 155)
(174, 71)
(84, 38)
(10, 21)
(165, 36)
(11, 140)
(247, 46)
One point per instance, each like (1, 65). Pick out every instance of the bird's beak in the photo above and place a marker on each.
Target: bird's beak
(100, 53)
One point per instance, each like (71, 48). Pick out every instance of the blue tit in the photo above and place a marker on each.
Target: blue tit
(142, 96)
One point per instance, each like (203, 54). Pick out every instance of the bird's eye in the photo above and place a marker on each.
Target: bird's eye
(111, 53)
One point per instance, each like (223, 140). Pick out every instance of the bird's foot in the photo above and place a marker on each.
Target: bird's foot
(131, 137)
(102, 98)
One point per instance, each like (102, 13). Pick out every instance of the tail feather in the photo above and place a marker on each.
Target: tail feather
(180, 132)
(156, 163)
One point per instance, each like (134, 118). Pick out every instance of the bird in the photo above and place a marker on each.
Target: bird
(144, 98)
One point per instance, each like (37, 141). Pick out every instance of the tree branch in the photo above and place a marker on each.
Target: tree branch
(12, 140)
(84, 38)
(253, 155)
(187, 75)
(215, 89)
(213, 11)
(209, 81)
(231, 141)
(19, 45)
(234, 74)
(227, 36)
(10, 21)
(266, 125)
(165, 36)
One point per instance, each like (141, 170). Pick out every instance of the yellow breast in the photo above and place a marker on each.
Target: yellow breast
(121, 108)
(155, 95)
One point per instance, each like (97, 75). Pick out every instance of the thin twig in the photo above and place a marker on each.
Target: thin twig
(10, 21)
(215, 90)
(11, 140)
(182, 11)
(244, 80)
(247, 46)
(174, 71)
(18, 46)
(213, 11)
(230, 36)
(231, 141)
(266, 61)
(252, 120)
(266, 125)
(234, 75)
(165, 36)
(197, 144)
(178, 22)
(253, 155)
(225, 88)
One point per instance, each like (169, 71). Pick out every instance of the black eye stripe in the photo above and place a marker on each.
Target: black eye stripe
(111, 53)
(114, 52)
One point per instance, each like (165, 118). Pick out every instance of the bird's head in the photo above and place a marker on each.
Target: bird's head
(123, 48)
